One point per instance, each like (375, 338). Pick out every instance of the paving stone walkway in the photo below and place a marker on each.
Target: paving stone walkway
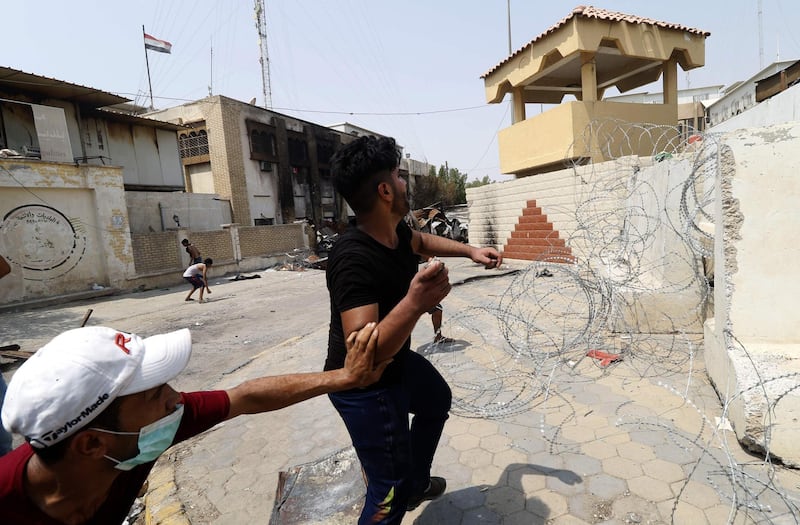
(547, 438)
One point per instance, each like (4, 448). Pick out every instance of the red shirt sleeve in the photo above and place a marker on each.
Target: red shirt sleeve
(201, 411)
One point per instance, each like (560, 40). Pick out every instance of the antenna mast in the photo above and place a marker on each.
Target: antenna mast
(261, 25)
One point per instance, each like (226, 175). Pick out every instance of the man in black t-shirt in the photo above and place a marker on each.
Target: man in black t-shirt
(372, 277)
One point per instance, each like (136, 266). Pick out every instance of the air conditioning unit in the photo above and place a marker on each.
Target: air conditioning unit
(264, 165)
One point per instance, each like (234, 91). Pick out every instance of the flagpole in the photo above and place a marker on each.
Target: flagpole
(147, 61)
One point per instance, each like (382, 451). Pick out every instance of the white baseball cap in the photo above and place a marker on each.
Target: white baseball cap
(73, 378)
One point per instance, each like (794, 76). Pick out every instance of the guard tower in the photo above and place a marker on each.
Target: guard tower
(583, 55)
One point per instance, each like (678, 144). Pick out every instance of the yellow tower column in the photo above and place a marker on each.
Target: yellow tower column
(670, 81)
(518, 102)
(588, 78)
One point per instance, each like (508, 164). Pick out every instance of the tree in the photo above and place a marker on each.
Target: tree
(447, 186)
(478, 183)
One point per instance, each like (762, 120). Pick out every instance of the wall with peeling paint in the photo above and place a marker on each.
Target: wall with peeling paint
(63, 228)
(753, 343)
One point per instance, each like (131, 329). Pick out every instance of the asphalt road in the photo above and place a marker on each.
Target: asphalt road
(241, 319)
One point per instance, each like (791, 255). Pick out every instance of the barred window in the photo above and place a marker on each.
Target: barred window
(193, 144)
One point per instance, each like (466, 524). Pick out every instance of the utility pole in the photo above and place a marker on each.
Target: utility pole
(261, 25)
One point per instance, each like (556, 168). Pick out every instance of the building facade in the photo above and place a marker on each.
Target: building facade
(274, 169)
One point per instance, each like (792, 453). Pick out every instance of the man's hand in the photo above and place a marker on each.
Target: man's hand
(360, 361)
(489, 257)
(429, 286)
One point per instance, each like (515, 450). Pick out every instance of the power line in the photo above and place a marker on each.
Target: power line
(380, 113)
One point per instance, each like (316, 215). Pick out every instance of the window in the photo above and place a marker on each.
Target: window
(193, 144)
(298, 150)
(263, 146)
(325, 149)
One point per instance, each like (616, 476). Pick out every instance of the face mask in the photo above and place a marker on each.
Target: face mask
(154, 439)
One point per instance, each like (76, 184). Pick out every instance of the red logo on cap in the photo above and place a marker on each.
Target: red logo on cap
(120, 342)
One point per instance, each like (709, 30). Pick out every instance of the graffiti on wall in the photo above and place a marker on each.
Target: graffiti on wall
(41, 241)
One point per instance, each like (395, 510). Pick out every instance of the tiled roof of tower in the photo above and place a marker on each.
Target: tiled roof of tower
(601, 14)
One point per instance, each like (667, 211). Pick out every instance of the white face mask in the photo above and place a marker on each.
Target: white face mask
(154, 439)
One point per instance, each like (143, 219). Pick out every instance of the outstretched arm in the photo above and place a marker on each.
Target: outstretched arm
(429, 245)
(272, 393)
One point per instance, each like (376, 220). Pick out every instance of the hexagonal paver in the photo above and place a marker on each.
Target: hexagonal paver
(564, 482)
(526, 478)
(509, 457)
(481, 516)
(581, 464)
(589, 508)
(593, 421)
(455, 426)
(565, 520)
(547, 504)
(464, 442)
(446, 455)
(699, 495)
(495, 443)
(663, 470)
(545, 459)
(577, 434)
(622, 468)
(488, 475)
(467, 498)
(612, 435)
(475, 458)
(633, 509)
(522, 517)
(483, 428)
(531, 444)
(636, 451)
(675, 454)
(650, 489)
(599, 449)
(456, 474)
(653, 438)
(505, 500)
(605, 487)
(688, 513)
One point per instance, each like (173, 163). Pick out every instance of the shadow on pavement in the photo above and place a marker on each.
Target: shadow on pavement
(456, 345)
(492, 504)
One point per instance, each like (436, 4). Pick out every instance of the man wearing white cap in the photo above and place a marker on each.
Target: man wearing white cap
(96, 411)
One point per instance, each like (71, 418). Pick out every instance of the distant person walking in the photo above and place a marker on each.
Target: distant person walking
(193, 251)
(197, 275)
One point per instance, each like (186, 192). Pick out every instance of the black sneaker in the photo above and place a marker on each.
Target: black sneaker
(436, 488)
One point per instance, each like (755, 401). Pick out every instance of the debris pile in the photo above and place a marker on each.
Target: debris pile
(433, 220)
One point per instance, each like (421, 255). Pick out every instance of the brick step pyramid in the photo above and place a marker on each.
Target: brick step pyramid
(534, 239)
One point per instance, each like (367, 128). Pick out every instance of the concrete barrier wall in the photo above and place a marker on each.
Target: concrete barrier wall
(494, 209)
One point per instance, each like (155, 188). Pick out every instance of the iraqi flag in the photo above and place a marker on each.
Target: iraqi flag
(154, 44)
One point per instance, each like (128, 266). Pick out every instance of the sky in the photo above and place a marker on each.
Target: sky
(408, 69)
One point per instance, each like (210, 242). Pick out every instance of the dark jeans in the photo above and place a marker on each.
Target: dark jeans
(396, 459)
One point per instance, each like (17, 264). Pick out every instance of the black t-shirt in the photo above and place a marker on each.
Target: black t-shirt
(362, 271)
